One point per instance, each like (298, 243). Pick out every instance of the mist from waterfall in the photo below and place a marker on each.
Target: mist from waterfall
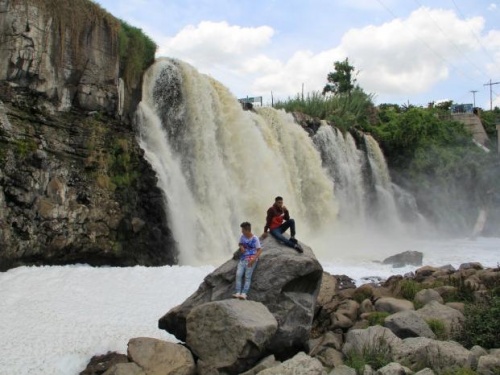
(218, 165)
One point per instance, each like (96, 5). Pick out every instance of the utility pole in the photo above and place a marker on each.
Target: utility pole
(474, 96)
(491, 92)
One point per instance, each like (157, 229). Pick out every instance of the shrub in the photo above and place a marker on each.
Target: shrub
(409, 288)
(137, 52)
(376, 355)
(377, 318)
(482, 323)
(438, 327)
(361, 294)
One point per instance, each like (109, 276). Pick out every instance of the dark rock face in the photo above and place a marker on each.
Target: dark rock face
(286, 282)
(76, 189)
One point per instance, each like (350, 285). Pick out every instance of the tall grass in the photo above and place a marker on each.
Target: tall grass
(344, 110)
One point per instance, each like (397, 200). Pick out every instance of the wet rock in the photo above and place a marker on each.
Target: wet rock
(407, 258)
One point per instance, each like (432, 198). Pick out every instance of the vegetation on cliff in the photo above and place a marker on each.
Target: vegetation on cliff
(428, 153)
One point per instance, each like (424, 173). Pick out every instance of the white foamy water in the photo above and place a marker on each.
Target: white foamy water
(54, 319)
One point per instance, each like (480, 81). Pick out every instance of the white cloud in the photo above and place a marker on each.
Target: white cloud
(492, 7)
(404, 56)
(210, 44)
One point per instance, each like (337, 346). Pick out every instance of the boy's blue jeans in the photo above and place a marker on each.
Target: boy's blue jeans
(244, 270)
(278, 232)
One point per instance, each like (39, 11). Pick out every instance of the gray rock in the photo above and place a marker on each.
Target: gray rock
(286, 282)
(330, 357)
(340, 321)
(460, 306)
(157, 357)
(125, 369)
(477, 352)
(300, 364)
(370, 339)
(343, 370)
(328, 340)
(368, 370)
(425, 371)
(393, 305)
(425, 296)
(439, 355)
(407, 258)
(447, 267)
(453, 319)
(230, 335)
(327, 289)
(471, 265)
(366, 306)
(393, 368)
(495, 352)
(349, 308)
(268, 362)
(408, 324)
(488, 365)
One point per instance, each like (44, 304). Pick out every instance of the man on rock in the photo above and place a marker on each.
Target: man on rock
(278, 221)
(249, 251)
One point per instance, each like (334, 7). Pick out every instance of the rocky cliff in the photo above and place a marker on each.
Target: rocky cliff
(74, 186)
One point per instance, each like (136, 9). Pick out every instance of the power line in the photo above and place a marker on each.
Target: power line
(446, 61)
(474, 35)
(491, 92)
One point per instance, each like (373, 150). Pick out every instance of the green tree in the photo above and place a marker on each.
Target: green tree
(342, 80)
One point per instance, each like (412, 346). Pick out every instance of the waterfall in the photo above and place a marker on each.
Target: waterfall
(218, 165)
(368, 200)
(344, 163)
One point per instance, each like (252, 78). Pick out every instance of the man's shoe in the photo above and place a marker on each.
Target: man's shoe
(298, 248)
(294, 240)
(236, 295)
(243, 296)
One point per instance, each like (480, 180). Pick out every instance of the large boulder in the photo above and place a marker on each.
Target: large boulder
(285, 281)
(452, 319)
(488, 365)
(425, 296)
(230, 335)
(408, 324)
(416, 352)
(393, 305)
(407, 258)
(157, 357)
(372, 339)
(300, 364)
(394, 368)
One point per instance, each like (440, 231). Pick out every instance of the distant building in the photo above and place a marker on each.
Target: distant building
(462, 108)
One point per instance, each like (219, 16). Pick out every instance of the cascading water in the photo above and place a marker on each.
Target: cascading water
(368, 200)
(219, 165)
(344, 163)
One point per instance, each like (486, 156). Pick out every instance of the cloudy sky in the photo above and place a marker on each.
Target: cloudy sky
(413, 51)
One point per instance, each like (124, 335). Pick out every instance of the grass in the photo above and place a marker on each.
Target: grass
(377, 318)
(343, 110)
(438, 327)
(409, 288)
(377, 355)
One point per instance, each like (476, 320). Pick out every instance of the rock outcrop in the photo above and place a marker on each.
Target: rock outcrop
(411, 258)
(66, 52)
(286, 282)
(74, 185)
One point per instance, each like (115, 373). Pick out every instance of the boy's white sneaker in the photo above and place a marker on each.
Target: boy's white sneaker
(236, 295)
(243, 296)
